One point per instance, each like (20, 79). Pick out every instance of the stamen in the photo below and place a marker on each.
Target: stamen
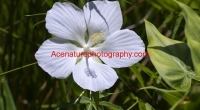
(97, 38)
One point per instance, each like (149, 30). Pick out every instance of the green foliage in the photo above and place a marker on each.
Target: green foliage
(192, 34)
(6, 99)
(171, 5)
(171, 96)
(175, 65)
(139, 77)
(110, 105)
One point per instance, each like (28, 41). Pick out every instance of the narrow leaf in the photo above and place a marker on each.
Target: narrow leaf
(84, 100)
(167, 20)
(102, 95)
(171, 96)
(148, 106)
(139, 77)
(146, 70)
(110, 105)
(89, 107)
(167, 4)
(6, 98)
(176, 26)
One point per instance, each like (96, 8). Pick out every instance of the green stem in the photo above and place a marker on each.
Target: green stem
(179, 101)
(132, 105)
(17, 69)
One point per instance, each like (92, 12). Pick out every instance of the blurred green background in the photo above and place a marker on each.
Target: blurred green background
(22, 31)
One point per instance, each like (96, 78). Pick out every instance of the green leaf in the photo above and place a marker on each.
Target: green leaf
(141, 105)
(167, 4)
(176, 26)
(103, 94)
(110, 105)
(171, 58)
(84, 100)
(64, 90)
(170, 5)
(167, 20)
(180, 100)
(148, 106)
(1, 101)
(48, 2)
(128, 98)
(128, 2)
(89, 106)
(38, 23)
(192, 32)
(163, 90)
(10, 105)
(171, 96)
(120, 77)
(146, 70)
(139, 77)
(133, 105)
(6, 99)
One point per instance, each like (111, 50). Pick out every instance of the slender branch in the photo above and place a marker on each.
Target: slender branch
(79, 97)
(17, 68)
(142, 20)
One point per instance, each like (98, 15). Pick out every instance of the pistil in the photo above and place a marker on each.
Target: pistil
(89, 72)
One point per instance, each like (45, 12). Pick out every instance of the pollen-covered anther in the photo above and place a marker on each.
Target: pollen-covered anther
(97, 37)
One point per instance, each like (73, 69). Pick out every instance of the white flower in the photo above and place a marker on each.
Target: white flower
(103, 21)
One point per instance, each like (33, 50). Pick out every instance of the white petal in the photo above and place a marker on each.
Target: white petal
(121, 41)
(103, 16)
(67, 21)
(60, 66)
(106, 76)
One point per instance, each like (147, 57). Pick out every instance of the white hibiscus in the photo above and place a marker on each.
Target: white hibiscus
(102, 20)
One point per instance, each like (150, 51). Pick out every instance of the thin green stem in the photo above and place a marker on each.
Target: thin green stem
(179, 101)
(37, 14)
(79, 97)
(17, 68)
(38, 23)
(132, 105)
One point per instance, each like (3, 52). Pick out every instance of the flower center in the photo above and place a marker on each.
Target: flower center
(86, 48)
